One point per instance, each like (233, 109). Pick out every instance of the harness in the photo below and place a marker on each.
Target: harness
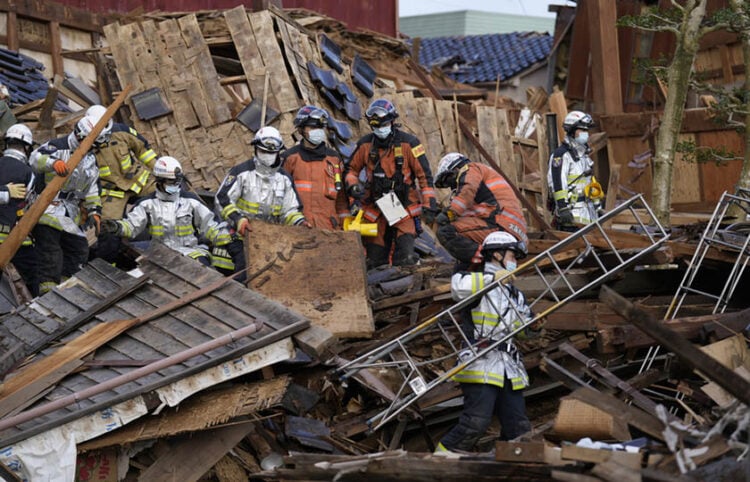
(382, 184)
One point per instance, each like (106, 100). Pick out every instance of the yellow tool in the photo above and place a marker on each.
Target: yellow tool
(594, 190)
(352, 223)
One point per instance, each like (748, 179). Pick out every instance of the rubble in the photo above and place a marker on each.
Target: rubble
(172, 372)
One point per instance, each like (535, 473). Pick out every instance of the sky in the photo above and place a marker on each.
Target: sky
(534, 8)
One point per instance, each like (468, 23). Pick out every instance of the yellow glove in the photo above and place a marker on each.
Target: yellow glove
(243, 226)
(16, 190)
(503, 273)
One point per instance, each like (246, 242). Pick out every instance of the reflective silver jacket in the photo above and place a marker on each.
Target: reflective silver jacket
(270, 197)
(177, 221)
(500, 312)
(81, 187)
(568, 176)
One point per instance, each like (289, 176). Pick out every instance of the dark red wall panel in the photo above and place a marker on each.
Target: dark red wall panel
(380, 16)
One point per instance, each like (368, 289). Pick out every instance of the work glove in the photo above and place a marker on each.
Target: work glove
(94, 221)
(357, 191)
(16, 190)
(243, 226)
(565, 216)
(429, 215)
(503, 273)
(61, 169)
(110, 226)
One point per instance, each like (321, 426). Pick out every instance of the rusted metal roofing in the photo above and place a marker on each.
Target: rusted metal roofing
(171, 276)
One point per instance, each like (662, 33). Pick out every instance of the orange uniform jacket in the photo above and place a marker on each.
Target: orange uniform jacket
(483, 197)
(416, 171)
(314, 174)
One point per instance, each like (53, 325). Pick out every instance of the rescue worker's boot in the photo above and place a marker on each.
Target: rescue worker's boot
(460, 247)
(404, 253)
(376, 255)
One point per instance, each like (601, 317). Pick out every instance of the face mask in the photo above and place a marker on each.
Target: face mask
(511, 265)
(266, 158)
(582, 138)
(316, 136)
(382, 132)
(172, 188)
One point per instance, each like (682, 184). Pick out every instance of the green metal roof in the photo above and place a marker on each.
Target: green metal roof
(471, 22)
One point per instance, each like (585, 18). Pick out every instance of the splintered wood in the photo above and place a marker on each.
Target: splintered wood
(319, 274)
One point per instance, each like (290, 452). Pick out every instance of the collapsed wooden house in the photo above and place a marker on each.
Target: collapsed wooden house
(264, 407)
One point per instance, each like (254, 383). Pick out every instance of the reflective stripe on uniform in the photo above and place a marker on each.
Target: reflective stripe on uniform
(113, 193)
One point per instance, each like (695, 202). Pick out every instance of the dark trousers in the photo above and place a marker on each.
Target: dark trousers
(457, 244)
(26, 261)
(481, 402)
(107, 247)
(61, 255)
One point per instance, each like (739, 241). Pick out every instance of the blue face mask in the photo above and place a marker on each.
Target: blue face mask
(511, 265)
(382, 132)
(582, 137)
(316, 136)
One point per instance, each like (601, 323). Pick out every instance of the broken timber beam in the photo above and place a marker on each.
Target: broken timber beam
(692, 356)
(470, 135)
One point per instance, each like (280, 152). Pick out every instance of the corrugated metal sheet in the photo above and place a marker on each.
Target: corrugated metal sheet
(380, 16)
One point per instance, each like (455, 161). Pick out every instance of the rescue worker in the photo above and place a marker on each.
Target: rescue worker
(178, 219)
(316, 171)
(493, 383)
(481, 203)
(16, 183)
(570, 176)
(397, 188)
(60, 233)
(125, 159)
(258, 189)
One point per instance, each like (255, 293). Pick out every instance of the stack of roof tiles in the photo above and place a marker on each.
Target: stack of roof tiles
(24, 78)
(482, 58)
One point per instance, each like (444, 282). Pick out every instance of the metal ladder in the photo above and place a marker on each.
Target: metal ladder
(715, 236)
(417, 373)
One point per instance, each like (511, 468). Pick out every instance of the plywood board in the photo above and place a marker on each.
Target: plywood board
(633, 180)
(319, 274)
(247, 49)
(686, 186)
(723, 176)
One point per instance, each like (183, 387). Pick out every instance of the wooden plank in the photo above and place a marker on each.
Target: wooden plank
(504, 148)
(543, 156)
(199, 412)
(11, 29)
(605, 56)
(636, 124)
(688, 353)
(559, 107)
(191, 457)
(333, 294)
(281, 86)
(55, 42)
(718, 177)
(431, 138)
(243, 37)
(204, 70)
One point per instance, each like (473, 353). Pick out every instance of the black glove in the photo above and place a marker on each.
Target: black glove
(565, 216)
(110, 226)
(233, 219)
(442, 219)
(428, 215)
(357, 191)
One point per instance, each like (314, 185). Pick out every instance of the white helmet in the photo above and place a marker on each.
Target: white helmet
(577, 120)
(21, 133)
(268, 139)
(447, 165)
(83, 128)
(95, 113)
(503, 240)
(167, 167)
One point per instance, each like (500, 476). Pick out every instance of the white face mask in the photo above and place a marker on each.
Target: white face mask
(316, 136)
(382, 132)
(172, 188)
(582, 137)
(268, 159)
